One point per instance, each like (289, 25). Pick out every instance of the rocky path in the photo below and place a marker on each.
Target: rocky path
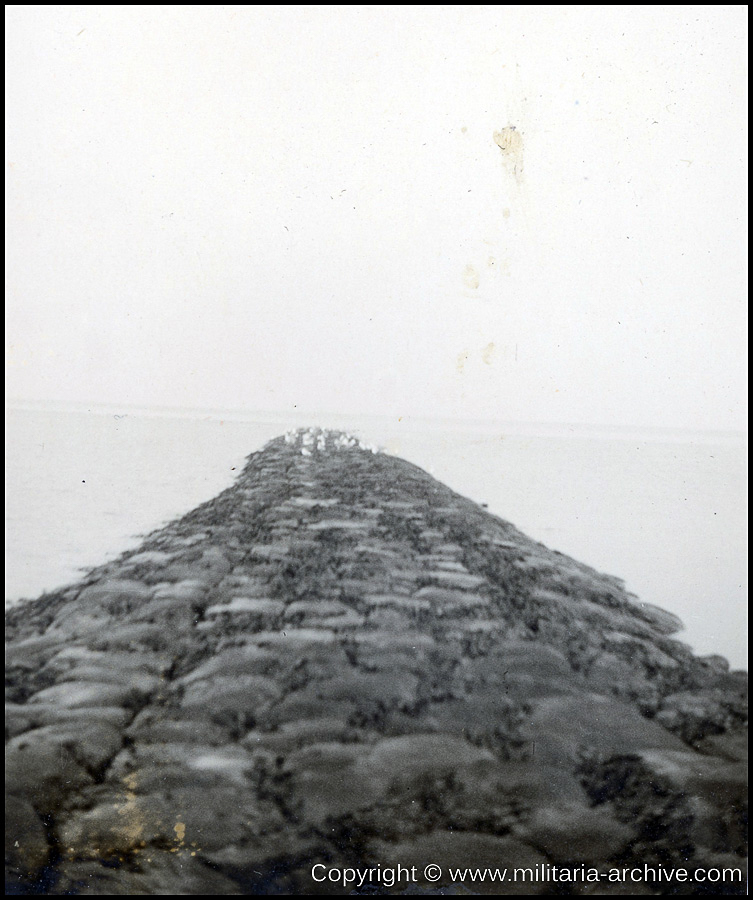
(340, 661)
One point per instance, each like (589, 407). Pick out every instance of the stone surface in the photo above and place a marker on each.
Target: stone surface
(340, 661)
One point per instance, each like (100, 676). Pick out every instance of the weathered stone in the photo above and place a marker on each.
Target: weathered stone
(271, 682)
(131, 636)
(663, 621)
(90, 743)
(188, 590)
(705, 777)
(116, 664)
(292, 735)
(26, 846)
(248, 659)
(326, 783)
(562, 727)
(276, 551)
(732, 745)
(340, 525)
(73, 694)
(313, 502)
(114, 594)
(32, 653)
(306, 705)
(443, 599)
(397, 601)
(315, 609)
(457, 850)
(397, 619)
(160, 726)
(152, 558)
(420, 755)
(261, 606)
(695, 714)
(42, 772)
(158, 872)
(570, 832)
(455, 579)
(347, 621)
(388, 640)
(229, 700)
(20, 718)
(296, 639)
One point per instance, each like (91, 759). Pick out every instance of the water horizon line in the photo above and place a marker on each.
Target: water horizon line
(408, 422)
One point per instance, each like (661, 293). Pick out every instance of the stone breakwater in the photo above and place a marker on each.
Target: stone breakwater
(338, 660)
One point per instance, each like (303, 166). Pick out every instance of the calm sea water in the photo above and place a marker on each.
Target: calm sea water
(667, 513)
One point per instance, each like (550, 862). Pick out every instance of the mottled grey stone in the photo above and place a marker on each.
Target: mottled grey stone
(271, 682)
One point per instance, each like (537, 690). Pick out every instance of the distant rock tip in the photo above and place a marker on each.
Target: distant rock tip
(309, 441)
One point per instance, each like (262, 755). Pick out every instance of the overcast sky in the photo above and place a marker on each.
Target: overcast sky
(491, 212)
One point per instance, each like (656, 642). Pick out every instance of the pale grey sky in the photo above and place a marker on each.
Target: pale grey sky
(277, 207)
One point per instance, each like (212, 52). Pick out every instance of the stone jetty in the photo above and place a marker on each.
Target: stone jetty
(340, 662)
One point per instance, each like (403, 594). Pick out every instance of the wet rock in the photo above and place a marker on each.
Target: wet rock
(293, 735)
(452, 850)
(701, 776)
(92, 744)
(187, 590)
(42, 771)
(231, 700)
(732, 745)
(663, 621)
(411, 755)
(563, 727)
(570, 832)
(325, 782)
(338, 660)
(152, 558)
(26, 846)
(312, 609)
(444, 600)
(696, 714)
(233, 662)
(454, 579)
(167, 726)
(258, 612)
(136, 636)
(21, 718)
(154, 873)
(73, 694)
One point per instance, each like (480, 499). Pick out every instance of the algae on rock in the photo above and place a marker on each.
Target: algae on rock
(339, 660)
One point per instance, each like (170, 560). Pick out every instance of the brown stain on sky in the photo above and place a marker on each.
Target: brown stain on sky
(487, 354)
(471, 277)
(510, 142)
